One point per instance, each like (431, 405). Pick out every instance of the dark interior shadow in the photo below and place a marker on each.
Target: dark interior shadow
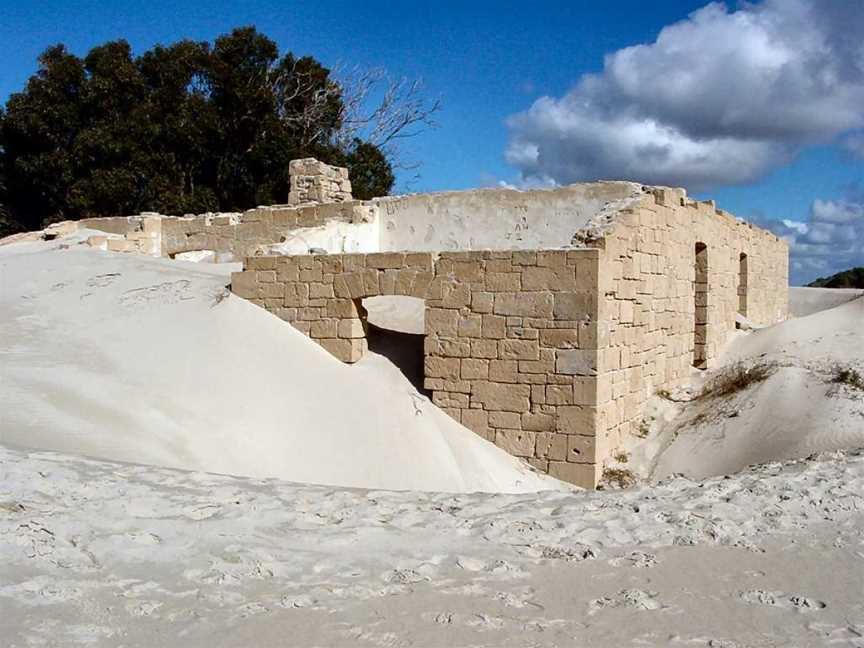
(404, 350)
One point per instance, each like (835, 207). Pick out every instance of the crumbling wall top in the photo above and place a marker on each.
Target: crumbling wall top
(315, 182)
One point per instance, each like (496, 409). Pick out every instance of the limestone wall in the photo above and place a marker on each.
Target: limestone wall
(511, 336)
(498, 219)
(314, 181)
(253, 231)
(651, 301)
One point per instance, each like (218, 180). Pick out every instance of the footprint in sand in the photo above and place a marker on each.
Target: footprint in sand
(781, 599)
(169, 292)
(638, 559)
(629, 598)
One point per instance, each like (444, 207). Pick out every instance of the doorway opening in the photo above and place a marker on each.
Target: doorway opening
(395, 330)
(742, 285)
(700, 296)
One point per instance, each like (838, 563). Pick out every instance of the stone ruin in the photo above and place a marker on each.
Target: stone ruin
(551, 316)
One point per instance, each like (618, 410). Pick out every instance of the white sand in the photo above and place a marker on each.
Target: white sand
(104, 554)
(795, 412)
(806, 301)
(152, 361)
(144, 360)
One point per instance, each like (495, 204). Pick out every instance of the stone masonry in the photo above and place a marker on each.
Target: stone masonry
(510, 348)
(551, 353)
(314, 181)
(551, 316)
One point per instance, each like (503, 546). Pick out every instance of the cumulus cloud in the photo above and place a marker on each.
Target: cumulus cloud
(830, 240)
(719, 98)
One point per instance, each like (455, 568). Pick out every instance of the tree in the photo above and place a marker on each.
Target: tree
(191, 127)
(39, 131)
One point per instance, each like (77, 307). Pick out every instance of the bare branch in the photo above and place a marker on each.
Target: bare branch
(383, 111)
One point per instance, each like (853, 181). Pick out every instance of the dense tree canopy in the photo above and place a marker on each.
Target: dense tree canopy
(188, 127)
(851, 278)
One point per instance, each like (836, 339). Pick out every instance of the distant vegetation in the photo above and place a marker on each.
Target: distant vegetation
(191, 127)
(853, 278)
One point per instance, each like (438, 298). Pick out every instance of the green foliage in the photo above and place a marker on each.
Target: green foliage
(188, 127)
(370, 172)
(852, 278)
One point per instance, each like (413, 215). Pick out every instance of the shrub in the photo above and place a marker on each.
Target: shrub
(735, 378)
(616, 478)
(849, 376)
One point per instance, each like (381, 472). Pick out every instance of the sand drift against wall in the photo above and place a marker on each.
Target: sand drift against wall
(152, 361)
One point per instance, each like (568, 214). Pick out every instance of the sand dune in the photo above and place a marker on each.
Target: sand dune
(95, 553)
(806, 301)
(152, 361)
(795, 412)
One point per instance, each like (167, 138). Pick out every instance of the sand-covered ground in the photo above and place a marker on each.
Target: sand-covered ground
(126, 382)
(798, 410)
(95, 553)
(153, 361)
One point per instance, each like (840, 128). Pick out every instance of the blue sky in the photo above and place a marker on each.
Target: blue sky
(489, 62)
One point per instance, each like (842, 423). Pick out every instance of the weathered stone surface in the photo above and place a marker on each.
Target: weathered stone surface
(576, 362)
(501, 396)
(523, 304)
(519, 443)
(551, 353)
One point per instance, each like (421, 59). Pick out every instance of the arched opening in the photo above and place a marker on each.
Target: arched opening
(700, 297)
(395, 330)
(742, 284)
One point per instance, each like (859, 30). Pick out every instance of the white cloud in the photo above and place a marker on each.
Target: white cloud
(721, 97)
(831, 240)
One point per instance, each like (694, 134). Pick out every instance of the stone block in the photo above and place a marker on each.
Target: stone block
(576, 419)
(470, 326)
(560, 338)
(538, 422)
(484, 349)
(524, 304)
(494, 327)
(575, 305)
(519, 443)
(581, 448)
(477, 420)
(501, 396)
(456, 296)
(547, 278)
(502, 282)
(296, 294)
(419, 260)
(559, 394)
(446, 368)
(474, 369)
(576, 362)
(511, 420)
(244, 284)
(385, 260)
(518, 350)
(351, 328)
(325, 328)
(345, 350)
(551, 446)
(482, 302)
(342, 308)
(442, 322)
(583, 475)
(503, 370)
